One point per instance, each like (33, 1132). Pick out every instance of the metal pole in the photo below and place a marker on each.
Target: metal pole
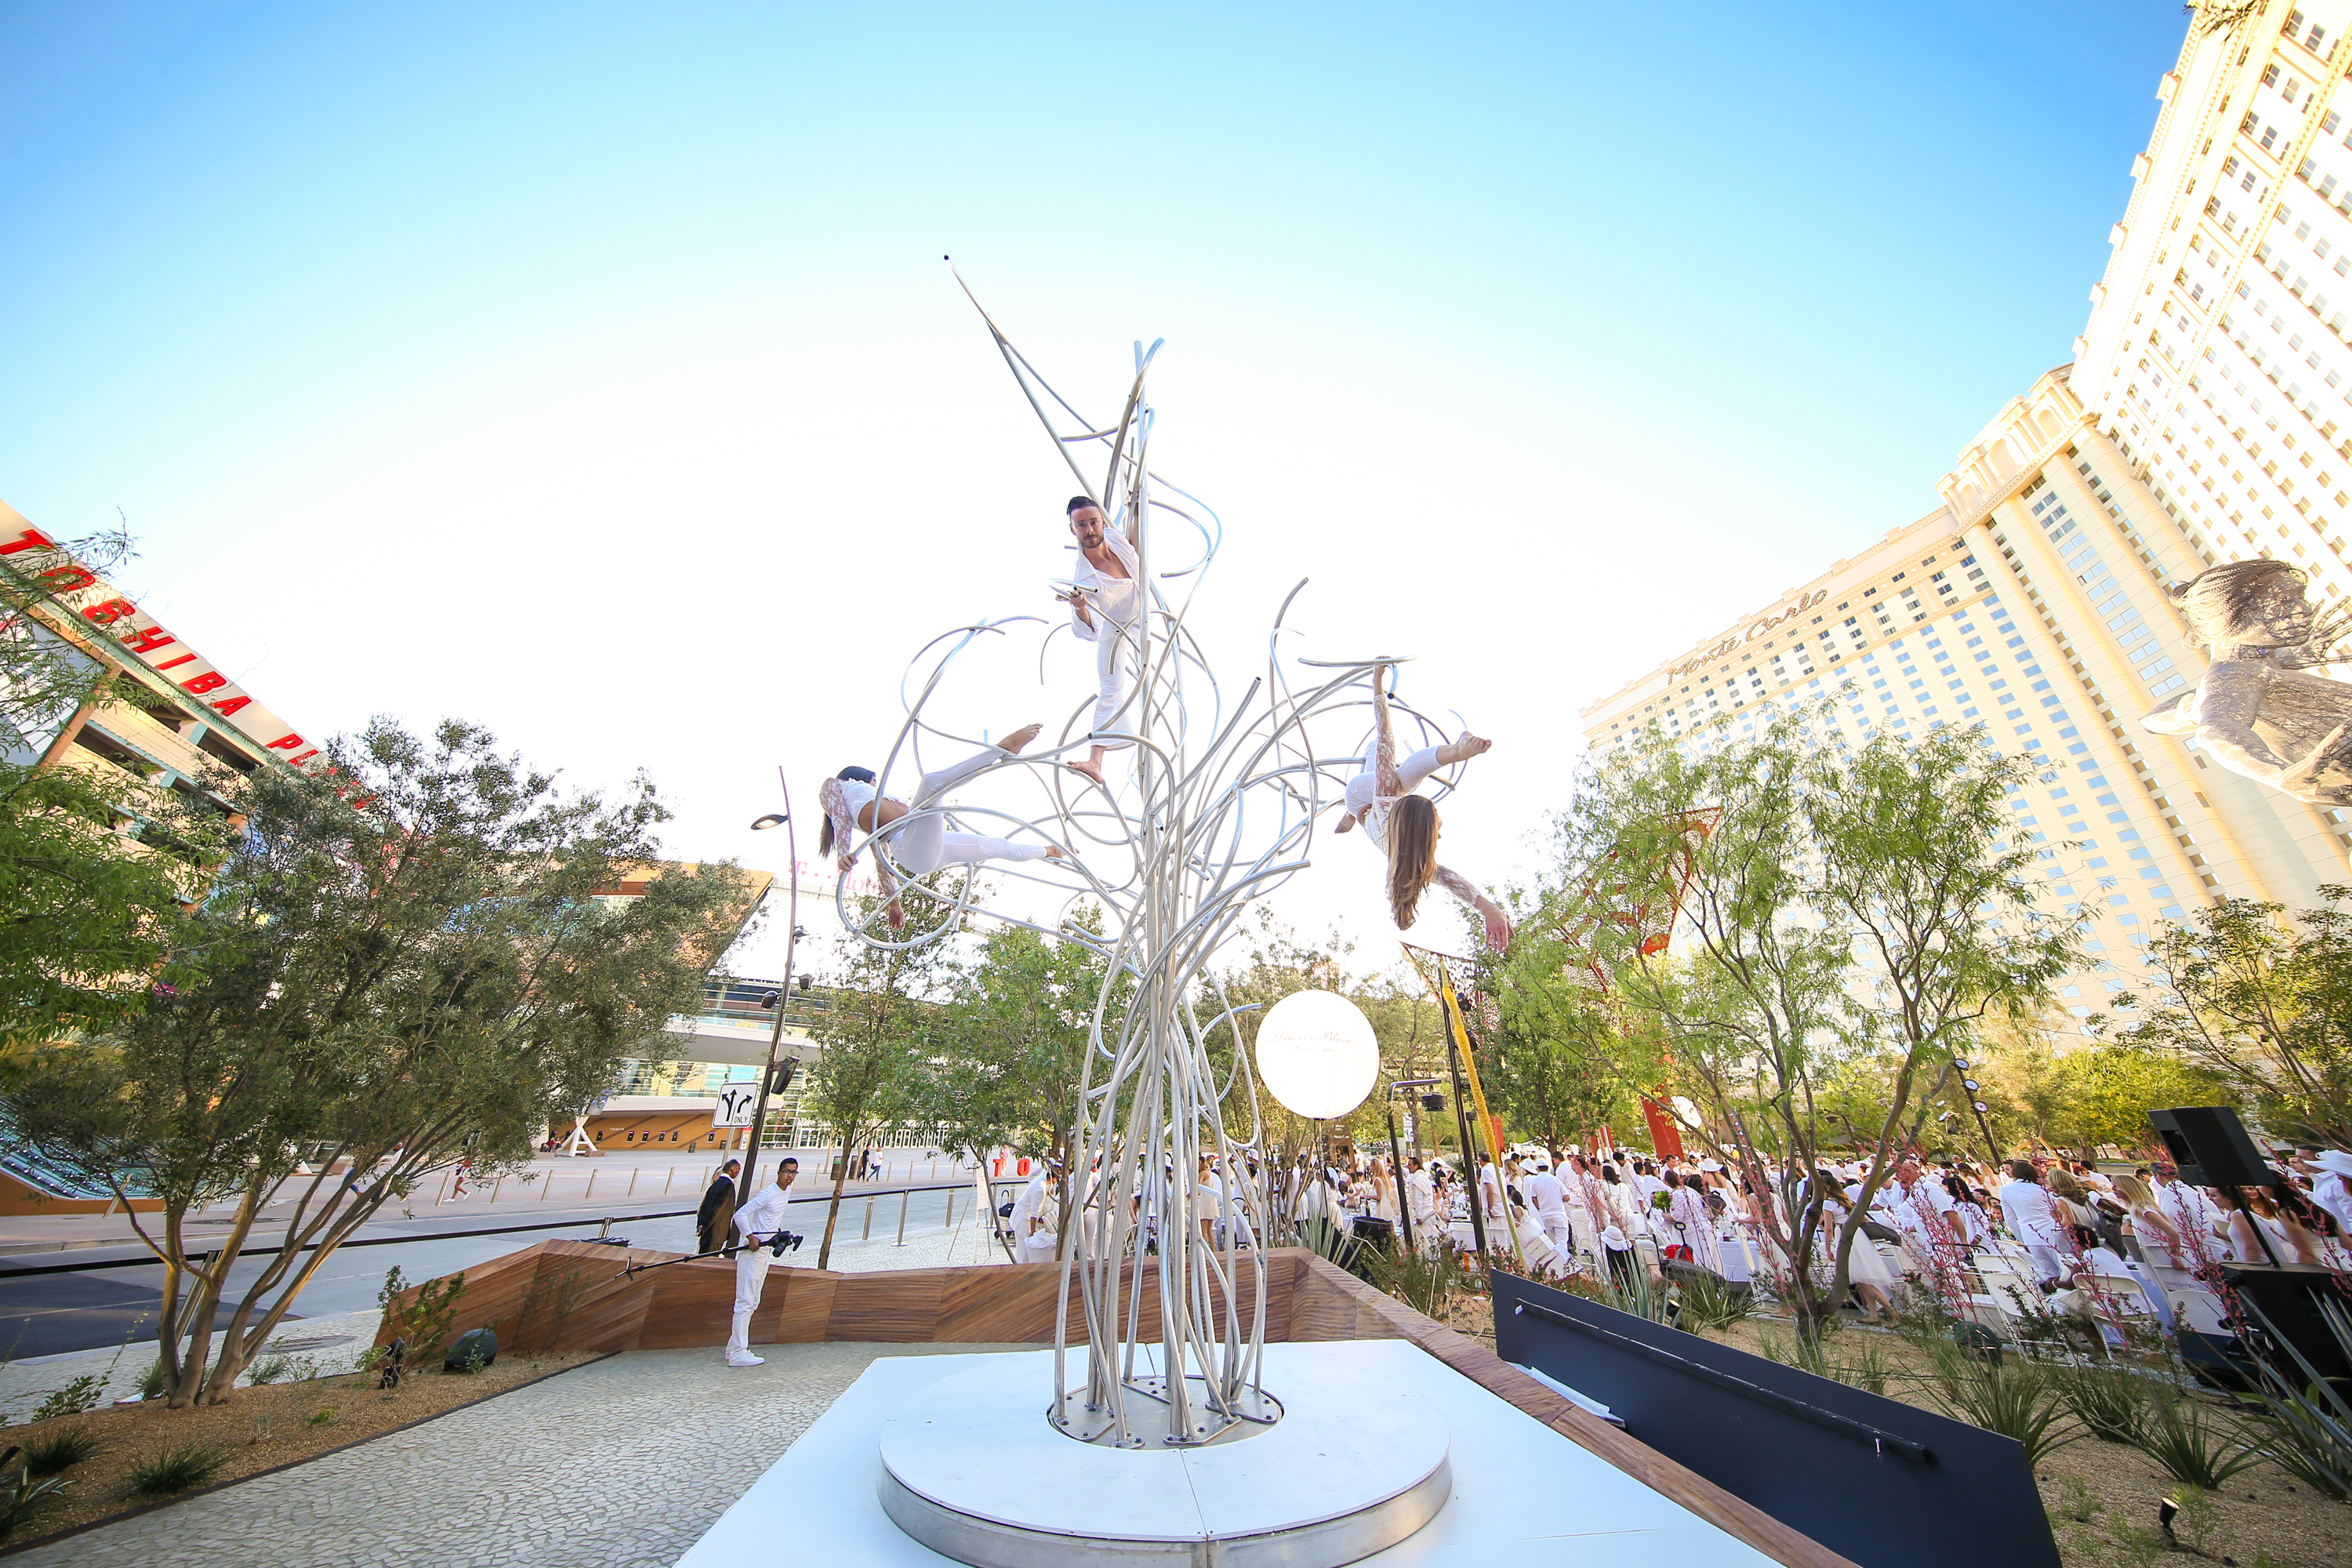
(1396, 1167)
(1469, 1155)
(783, 992)
(904, 1193)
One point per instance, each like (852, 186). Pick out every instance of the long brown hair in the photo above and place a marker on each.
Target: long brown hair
(1413, 855)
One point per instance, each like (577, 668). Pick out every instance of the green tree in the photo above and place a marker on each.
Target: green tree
(376, 991)
(878, 1045)
(1836, 912)
(95, 864)
(2259, 998)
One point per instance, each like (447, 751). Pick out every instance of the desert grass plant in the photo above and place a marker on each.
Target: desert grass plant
(24, 1496)
(182, 1468)
(269, 1368)
(2110, 1402)
(151, 1386)
(60, 1451)
(1424, 1283)
(1865, 1366)
(2014, 1398)
(2310, 1428)
(2194, 1443)
(1708, 1307)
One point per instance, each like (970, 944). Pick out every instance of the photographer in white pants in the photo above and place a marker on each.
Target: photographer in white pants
(757, 1224)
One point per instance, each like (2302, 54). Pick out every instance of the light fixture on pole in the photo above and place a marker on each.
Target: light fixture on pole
(1396, 1155)
(767, 1084)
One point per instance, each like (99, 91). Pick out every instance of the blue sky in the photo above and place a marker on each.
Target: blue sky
(591, 371)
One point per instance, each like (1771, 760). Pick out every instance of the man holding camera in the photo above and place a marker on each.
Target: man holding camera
(757, 1225)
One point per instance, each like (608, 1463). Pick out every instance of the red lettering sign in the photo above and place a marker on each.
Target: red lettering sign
(172, 663)
(149, 640)
(284, 742)
(204, 683)
(110, 611)
(66, 579)
(31, 539)
(230, 704)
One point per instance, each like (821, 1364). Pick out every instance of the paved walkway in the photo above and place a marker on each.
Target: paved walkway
(620, 1464)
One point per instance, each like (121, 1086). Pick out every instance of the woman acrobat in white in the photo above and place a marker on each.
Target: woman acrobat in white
(851, 802)
(1405, 824)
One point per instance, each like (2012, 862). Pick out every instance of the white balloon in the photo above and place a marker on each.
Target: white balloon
(1316, 1054)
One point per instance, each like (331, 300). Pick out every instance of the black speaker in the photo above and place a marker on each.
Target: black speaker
(2211, 1146)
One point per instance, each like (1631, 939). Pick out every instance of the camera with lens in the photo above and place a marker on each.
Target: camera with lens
(785, 1241)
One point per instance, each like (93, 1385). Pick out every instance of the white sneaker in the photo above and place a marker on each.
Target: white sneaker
(746, 1359)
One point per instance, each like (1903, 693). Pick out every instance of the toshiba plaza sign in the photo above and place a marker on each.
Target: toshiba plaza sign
(87, 598)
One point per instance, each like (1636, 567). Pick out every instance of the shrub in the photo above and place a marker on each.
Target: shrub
(2013, 1397)
(22, 1497)
(151, 1386)
(2111, 1404)
(82, 1394)
(268, 1369)
(2192, 1444)
(1708, 1308)
(59, 1450)
(182, 1468)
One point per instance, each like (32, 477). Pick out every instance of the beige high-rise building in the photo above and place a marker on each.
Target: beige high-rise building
(2208, 417)
(2031, 603)
(2216, 355)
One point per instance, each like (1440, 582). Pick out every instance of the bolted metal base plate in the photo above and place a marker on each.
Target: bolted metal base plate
(1351, 1469)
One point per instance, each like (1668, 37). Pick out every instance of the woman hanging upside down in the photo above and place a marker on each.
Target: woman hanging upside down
(1405, 824)
(925, 845)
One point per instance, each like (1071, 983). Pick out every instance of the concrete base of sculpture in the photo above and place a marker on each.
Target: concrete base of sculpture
(975, 1470)
(1521, 1493)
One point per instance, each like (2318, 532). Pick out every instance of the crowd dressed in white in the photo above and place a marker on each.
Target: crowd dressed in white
(2079, 1237)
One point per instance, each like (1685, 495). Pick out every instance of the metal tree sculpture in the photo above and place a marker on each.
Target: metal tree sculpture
(1223, 807)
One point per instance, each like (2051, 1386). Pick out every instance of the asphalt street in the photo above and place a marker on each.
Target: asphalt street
(47, 1314)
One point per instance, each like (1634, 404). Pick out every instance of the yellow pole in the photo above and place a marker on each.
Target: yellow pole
(1478, 1095)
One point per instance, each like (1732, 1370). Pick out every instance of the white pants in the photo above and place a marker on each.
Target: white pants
(1038, 1249)
(751, 1279)
(1365, 787)
(924, 844)
(1555, 1226)
(1115, 649)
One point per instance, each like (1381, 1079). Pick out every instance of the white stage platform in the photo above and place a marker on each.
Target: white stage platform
(1521, 1492)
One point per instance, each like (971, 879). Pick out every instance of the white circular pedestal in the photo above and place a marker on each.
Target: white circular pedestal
(973, 1469)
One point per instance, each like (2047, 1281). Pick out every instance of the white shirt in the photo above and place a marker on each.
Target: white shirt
(1420, 1194)
(2191, 1211)
(1922, 1203)
(1031, 1206)
(764, 1215)
(2334, 1194)
(1118, 600)
(1549, 1196)
(2031, 1214)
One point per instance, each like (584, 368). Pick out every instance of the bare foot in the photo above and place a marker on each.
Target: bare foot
(1053, 851)
(1090, 770)
(1019, 738)
(1347, 822)
(1463, 750)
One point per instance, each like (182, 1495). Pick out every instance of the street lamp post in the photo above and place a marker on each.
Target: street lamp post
(1396, 1153)
(792, 942)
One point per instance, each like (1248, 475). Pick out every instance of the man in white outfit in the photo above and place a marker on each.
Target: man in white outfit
(1421, 1203)
(756, 1225)
(1550, 1199)
(2032, 1219)
(1034, 1242)
(1107, 610)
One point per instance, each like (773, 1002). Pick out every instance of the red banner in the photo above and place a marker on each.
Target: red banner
(1664, 1136)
